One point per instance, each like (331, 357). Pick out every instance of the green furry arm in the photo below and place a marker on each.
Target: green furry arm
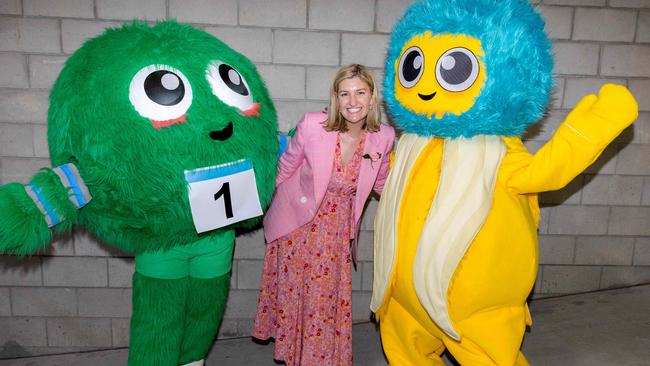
(23, 227)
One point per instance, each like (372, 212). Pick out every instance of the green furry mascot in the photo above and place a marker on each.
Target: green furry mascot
(164, 141)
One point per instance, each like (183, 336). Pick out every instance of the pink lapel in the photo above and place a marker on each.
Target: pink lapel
(367, 172)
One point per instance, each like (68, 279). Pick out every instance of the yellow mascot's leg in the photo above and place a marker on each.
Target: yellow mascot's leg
(490, 338)
(521, 360)
(405, 341)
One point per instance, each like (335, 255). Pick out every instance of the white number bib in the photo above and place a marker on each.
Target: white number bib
(223, 194)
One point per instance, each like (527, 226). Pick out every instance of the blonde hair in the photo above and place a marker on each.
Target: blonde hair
(335, 121)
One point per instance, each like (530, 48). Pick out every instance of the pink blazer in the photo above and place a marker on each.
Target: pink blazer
(305, 171)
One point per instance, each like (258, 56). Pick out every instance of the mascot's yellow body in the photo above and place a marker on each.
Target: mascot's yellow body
(455, 232)
(486, 294)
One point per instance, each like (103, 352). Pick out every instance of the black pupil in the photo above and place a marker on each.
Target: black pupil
(409, 71)
(232, 79)
(461, 70)
(164, 87)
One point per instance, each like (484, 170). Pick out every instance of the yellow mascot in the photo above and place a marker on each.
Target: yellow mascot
(455, 232)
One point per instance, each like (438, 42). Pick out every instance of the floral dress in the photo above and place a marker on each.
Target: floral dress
(305, 301)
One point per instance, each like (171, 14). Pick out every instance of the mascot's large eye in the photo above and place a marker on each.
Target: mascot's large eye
(457, 69)
(411, 67)
(160, 93)
(229, 85)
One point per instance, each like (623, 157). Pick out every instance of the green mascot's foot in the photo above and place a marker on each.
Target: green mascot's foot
(157, 321)
(205, 306)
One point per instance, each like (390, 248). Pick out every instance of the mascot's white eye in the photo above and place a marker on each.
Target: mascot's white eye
(457, 69)
(411, 67)
(160, 93)
(229, 85)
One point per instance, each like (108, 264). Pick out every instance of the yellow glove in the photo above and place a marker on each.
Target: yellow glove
(599, 119)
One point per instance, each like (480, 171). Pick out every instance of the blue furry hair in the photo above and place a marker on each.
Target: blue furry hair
(518, 63)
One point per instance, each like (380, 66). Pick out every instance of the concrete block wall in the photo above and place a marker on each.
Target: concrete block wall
(594, 234)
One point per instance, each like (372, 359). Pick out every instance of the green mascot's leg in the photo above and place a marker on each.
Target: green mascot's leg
(210, 265)
(205, 307)
(157, 320)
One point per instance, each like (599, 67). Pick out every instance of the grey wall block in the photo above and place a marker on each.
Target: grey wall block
(559, 21)
(120, 272)
(14, 70)
(43, 70)
(250, 245)
(16, 271)
(128, 10)
(5, 301)
(621, 190)
(20, 169)
(23, 105)
(120, 332)
(570, 279)
(39, 301)
(59, 8)
(575, 220)
(630, 221)
(29, 34)
(75, 271)
(614, 277)
(300, 47)
(317, 77)
(279, 13)
(255, 43)
(617, 251)
(26, 332)
(287, 82)
(620, 25)
(576, 58)
(10, 7)
(346, 15)
(15, 140)
(204, 11)
(641, 90)
(556, 249)
(74, 32)
(82, 332)
(249, 274)
(367, 49)
(632, 64)
(104, 302)
(388, 12)
(643, 29)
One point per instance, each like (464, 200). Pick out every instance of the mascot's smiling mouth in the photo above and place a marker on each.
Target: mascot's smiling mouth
(223, 134)
(427, 96)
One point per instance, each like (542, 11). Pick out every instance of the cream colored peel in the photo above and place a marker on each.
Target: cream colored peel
(460, 207)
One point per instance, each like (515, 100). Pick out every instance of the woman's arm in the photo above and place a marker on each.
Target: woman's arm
(293, 156)
(385, 163)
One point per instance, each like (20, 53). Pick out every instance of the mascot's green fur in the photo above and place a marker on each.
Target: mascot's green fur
(132, 111)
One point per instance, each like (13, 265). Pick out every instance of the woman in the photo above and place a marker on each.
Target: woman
(331, 164)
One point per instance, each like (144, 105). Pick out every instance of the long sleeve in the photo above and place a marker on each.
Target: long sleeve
(577, 143)
(382, 175)
(293, 156)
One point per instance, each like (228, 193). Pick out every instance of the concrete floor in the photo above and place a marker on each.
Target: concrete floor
(595, 329)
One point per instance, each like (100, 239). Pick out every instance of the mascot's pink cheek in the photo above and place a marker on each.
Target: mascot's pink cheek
(253, 111)
(160, 124)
